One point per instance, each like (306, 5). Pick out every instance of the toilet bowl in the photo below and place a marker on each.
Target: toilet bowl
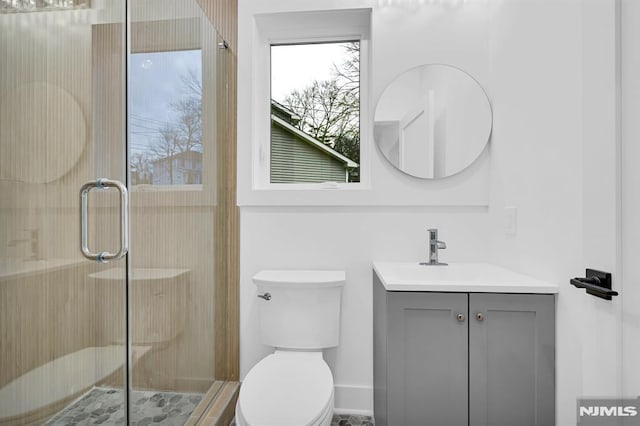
(289, 389)
(299, 316)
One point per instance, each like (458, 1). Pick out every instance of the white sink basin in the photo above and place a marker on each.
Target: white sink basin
(457, 277)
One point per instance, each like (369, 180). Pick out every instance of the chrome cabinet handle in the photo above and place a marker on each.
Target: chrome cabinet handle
(480, 316)
(460, 317)
(266, 296)
(104, 256)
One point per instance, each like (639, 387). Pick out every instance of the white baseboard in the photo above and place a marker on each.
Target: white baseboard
(357, 400)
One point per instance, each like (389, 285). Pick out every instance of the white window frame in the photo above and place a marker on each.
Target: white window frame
(301, 28)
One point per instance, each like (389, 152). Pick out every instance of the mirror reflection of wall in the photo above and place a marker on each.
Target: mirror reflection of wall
(432, 121)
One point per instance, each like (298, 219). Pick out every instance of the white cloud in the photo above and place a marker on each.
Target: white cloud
(296, 66)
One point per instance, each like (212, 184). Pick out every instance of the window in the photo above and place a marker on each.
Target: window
(315, 112)
(165, 117)
(299, 151)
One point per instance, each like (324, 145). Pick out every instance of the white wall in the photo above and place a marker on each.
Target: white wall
(347, 238)
(398, 39)
(353, 237)
(630, 196)
(530, 57)
(554, 157)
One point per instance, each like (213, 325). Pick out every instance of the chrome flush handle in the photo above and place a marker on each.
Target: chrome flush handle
(266, 296)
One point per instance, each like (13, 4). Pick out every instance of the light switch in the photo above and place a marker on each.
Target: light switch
(511, 220)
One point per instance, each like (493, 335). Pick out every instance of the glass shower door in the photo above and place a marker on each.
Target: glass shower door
(104, 104)
(63, 336)
(175, 105)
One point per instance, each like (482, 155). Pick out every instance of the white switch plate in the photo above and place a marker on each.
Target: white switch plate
(511, 220)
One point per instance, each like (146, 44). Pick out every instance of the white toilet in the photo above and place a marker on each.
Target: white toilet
(299, 316)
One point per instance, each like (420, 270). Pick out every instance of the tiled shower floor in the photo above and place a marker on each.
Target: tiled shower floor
(105, 406)
(344, 420)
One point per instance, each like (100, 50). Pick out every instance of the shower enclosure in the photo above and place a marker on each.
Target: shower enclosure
(119, 107)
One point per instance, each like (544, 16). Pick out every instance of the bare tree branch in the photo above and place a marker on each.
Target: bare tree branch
(330, 110)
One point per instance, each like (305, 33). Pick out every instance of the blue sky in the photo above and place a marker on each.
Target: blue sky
(154, 83)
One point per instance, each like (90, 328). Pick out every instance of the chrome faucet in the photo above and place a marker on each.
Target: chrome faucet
(434, 246)
(33, 243)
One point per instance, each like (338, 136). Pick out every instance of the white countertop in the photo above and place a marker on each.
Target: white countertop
(458, 277)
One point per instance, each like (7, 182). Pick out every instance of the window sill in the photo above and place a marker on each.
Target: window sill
(306, 195)
(172, 195)
(324, 186)
(142, 188)
(390, 188)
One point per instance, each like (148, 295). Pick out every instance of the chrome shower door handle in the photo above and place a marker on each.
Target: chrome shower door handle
(104, 256)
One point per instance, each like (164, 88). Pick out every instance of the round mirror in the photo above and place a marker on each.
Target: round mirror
(432, 121)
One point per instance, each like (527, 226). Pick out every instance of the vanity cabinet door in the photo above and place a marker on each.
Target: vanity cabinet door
(511, 359)
(427, 359)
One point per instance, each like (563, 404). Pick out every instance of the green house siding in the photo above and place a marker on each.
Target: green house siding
(294, 160)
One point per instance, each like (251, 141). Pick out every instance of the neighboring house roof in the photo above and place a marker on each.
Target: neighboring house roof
(277, 118)
(194, 155)
(285, 113)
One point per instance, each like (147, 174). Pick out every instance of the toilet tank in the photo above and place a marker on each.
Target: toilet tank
(303, 310)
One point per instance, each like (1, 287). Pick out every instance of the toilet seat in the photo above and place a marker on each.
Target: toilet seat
(287, 388)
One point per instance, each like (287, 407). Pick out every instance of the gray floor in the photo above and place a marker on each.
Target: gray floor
(347, 420)
(105, 406)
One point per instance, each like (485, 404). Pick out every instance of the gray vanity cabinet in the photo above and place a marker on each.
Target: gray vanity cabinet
(427, 344)
(457, 359)
(511, 359)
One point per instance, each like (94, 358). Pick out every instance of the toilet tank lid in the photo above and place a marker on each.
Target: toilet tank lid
(307, 278)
